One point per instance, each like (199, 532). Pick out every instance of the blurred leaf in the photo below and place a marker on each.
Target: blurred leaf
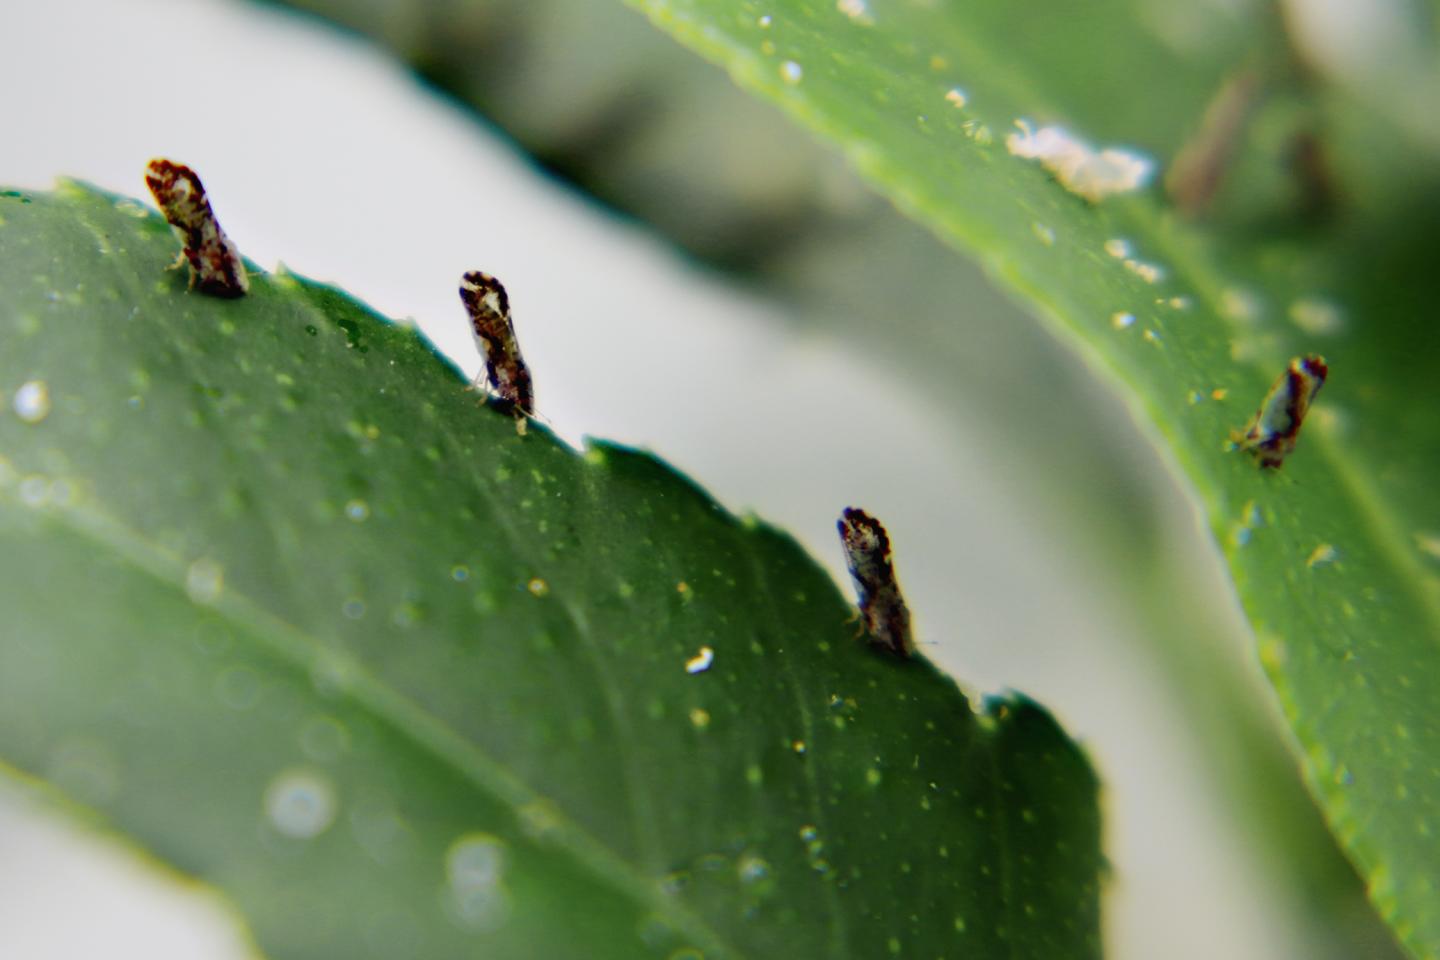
(286, 607)
(601, 99)
(1334, 555)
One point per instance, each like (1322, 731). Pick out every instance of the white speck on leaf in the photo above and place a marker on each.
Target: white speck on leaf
(701, 661)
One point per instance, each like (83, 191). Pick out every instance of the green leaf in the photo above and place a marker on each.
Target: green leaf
(1334, 555)
(288, 607)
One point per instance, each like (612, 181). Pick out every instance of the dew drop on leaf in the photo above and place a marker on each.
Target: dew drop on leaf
(300, 804)
(34, 491)
(204, 581)
(32, 401)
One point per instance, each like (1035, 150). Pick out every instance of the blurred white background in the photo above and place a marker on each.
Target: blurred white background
(326, 154)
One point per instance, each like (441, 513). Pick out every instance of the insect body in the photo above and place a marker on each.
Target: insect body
(1271, 434)
(882, 608)
(215, 264)
(505, 371)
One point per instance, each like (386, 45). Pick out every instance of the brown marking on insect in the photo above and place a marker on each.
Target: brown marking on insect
(883, 613)
(505, 371)
(1271, 434)
(215, 264)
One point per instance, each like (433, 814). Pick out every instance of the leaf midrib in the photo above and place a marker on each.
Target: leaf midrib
(427, 731)
(392, 707)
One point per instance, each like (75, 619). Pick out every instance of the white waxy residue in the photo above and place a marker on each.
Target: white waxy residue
(1080, 168)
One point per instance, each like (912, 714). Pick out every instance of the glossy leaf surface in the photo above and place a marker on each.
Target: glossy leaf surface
(1334, 556)
(287, 606)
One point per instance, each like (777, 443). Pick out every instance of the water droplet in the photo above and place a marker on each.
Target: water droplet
(674, 882)
(324, 739)
(978, 132)
(893, 945)
(34, 491)
(475, 860)
(752, 868)
(1149, 272)
(474, 873)
(1324, 553)
(238, 688)
(1043, 233)
(873, 777)
(353, 608)
(1239, 304)
(32, 401)
(701, 661)
(357, 510)
(1118, 247)
(204, 581)
(407, 614)
(687, 593)
(539, 819)
(300, 804)
(791, 72)
(699, 718)
(1154, 338)
(798, 746)
(956, 97)
(765, 22)
(856, 10)
(460, 573)
(754, 775)
(538, 587)
(1122, 320)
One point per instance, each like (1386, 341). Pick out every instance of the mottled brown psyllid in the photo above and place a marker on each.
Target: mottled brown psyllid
(1271, 434)
(883, 613)
(215, 264)
(505, 371)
